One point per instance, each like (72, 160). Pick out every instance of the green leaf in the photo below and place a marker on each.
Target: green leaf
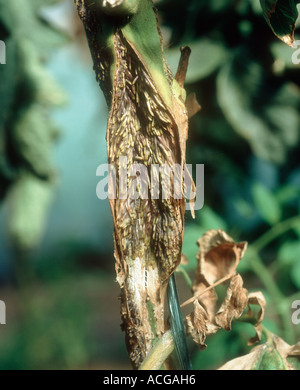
(269, 323)
(256, 7)
(29, 202)
(243, 208)
(294, 361)
(192, 233)
(262, 111)
(281, 16)
(282, 55)
(289, 253)
(209, 219)
(270, 359)
(295, 273)
(287, 193)
(32, 137)
(8, 76)
(296, 229)
(266, 204)
(273, 355)
(29, 23)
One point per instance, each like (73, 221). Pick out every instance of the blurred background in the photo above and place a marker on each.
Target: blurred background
(57, 274)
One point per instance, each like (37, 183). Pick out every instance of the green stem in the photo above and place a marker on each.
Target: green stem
(277, 297)
(265, 276)
(275, 232)
(186, 276)
(160, 351)
(250, 319)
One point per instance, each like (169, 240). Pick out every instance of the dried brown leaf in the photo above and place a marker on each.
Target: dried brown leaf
(184, 259)
(234, 304)
(246, 362)
(257, 298)
(269, 356)
(199, 326)
(294, 350)
(196, 325)
(192, 104)
(202, 323)
(285, 350)
(217, 259)
(218, 256)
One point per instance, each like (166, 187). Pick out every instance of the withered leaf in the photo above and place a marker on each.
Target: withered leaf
(294, 350)
(234, 304)
(199, 326)
(245, 362)
(196, 325)
(192, 104)
(269, 356)
(217, 259)
(218, 256)
(184, 259)
(257, 298)
(281, 16)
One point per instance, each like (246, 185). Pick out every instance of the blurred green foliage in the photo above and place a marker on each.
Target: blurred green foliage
(27, 135)
(246, 135)
(56, 315)
(281, 16)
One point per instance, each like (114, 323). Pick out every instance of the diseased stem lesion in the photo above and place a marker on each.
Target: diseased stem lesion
(183, 65)
(142, 128)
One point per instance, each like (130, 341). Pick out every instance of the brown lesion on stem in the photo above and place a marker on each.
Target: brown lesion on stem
(191, 103)
(148, 232)
(183, 65)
